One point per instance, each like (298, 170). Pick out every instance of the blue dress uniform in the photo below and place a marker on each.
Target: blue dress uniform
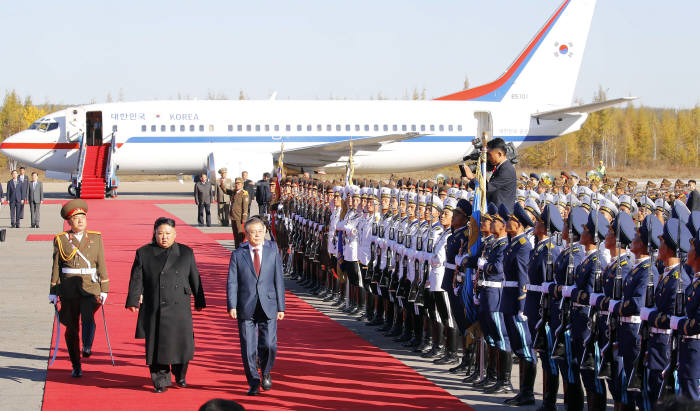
(577, 218)
(454, 243)
(659, 350)
(580, 311)
(537, 272)
(689, 327)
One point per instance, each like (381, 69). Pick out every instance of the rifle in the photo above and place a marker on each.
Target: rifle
(668, 388)
(425, 269)
(413, 292)
(403, 289)
(588, 361)
(608, 361)
(540, 341)
(559, 349)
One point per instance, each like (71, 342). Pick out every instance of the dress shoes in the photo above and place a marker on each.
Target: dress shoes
(254, 389)
(77, 372)
(267, 382)
(87, 352)
(160, 390)
(181, 383)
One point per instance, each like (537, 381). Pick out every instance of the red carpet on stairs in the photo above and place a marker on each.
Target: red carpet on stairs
(94, 169)
(320, 365)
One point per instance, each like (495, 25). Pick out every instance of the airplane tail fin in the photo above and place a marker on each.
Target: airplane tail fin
(545, 73)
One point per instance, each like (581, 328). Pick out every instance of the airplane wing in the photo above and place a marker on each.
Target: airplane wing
(324, 154)
(574, 111)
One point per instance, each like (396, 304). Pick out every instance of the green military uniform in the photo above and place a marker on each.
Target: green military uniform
(78, 277)
(222, 199)
(239, 214)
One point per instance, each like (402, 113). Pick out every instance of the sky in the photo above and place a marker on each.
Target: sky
(82, 51)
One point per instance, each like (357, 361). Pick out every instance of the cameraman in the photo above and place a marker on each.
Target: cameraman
(500, 188)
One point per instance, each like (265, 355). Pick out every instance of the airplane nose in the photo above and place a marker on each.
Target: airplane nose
(13, 149)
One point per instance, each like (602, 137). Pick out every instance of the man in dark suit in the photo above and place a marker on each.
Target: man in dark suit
(35, 197)
(500, 188)
(255, 297)
(16, 197)
(693, 201)
(203, 195)
(263, 195)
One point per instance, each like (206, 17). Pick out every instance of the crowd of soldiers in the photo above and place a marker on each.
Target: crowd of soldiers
(597, 277)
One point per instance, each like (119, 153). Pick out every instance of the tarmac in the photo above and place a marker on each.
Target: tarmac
(26, 322)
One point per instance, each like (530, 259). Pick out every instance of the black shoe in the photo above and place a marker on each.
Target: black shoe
(87, 352)
(484, 382)
(520, 400)
(77, 372)
(37, 226)
(378, 320)
(407, 336)
(181, 383)
(254, 389)
(461, 367)
(267, 382)
(471, 377)
(500, 387)
(437, 351)
(159, 390)
(447, 359)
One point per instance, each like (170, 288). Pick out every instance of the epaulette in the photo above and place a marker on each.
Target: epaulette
(60, 234)
(94, 232)
(522, 240)
(436, 228)
(623, 262)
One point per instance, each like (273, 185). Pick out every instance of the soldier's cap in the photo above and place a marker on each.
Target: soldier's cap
(573, 174)
(546, 198)
(520, 215)
(443, 189)
(561, 200)
(551, 214)
(354, 190)
(421, 200)
(452, 192)
(238, 180)
(694, 223)
(627, 231)
(450, 203)
(523, 175)
(520, 194)
(74, 207)
(662, 205)
(649, 231)
(680, 211)
(578, 218)
(386, 192)
(535, 176)
(671, 238)
(602, 224)
(607, 206)
(223, 170)
(411, 197)
(532, 207)
(437, 203)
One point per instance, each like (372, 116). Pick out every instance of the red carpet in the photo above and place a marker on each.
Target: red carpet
(320, 364)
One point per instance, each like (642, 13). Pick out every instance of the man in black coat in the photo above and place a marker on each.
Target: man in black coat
(165, 274)
(16, 196)
(263, 195)
(203, 196)
(501, 187)
(249, 187)
(693, 201)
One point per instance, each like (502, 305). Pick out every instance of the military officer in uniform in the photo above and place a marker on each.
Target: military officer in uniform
(223, 202)
(79, 279)
(689, 328)
(239, 211)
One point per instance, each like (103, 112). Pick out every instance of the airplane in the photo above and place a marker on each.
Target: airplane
(529, 103)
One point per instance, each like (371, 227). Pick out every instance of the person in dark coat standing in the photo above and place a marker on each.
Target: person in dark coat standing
(263, 195)
(16, 196)
(255, 297)
(35, 197)
(203, 196)
(501, 186)
(164, 277)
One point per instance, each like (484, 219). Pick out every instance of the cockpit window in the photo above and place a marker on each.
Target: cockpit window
(43, 126)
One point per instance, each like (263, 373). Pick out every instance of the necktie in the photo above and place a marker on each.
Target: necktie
(256, 262)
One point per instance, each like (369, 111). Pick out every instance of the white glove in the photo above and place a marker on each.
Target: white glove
(481, 262)
(674, 322)
(522, 317)
(545, 288)
(566, 290)
(611, 305)
(103, 298)
(644, 313)
(435, 262)
(593, 299)
(53, 299)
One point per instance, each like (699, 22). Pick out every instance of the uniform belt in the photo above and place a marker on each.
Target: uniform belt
(603, 313)
(634, 319)
(493, 284)
(450, 266)
(692, 337)
(81, 271)
(655, 330)
(533, 287)
(510, 284)
(580, 305)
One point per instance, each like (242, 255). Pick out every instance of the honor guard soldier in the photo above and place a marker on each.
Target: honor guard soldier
(412, 224)
(223, 201)
(430, 240)
(689, 328)
(79, 278)
(515, 263)
(651, 235)
(239, 211)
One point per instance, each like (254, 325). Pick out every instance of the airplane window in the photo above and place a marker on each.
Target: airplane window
(172, 128)
(162, 128)
(366, 127)
(413, 127)
(153, 128)
(143, 128)
(338, 127)
(347, 127)
(211, 127)
(298, 127)
(329, 127)
(277, 127)
(319, 127)
(386, 127)
(248, 128)
(34, 126)
(459, 127)
(432, 127)
(357, 127)
(308, 127)
(442, 127)
(288, 127)
(395, 127)
(52, 126)
(230, 128)
(191, 127)
(449, 127)
(257, 127)
(403, 127)
(422, 127)
(376, 127)
(201, 128)
(267, 127)
(182, 127)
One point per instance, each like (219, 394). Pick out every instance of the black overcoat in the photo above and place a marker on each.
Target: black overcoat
(167, 278)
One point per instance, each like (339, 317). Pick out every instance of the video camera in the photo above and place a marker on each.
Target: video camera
(472, 158)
